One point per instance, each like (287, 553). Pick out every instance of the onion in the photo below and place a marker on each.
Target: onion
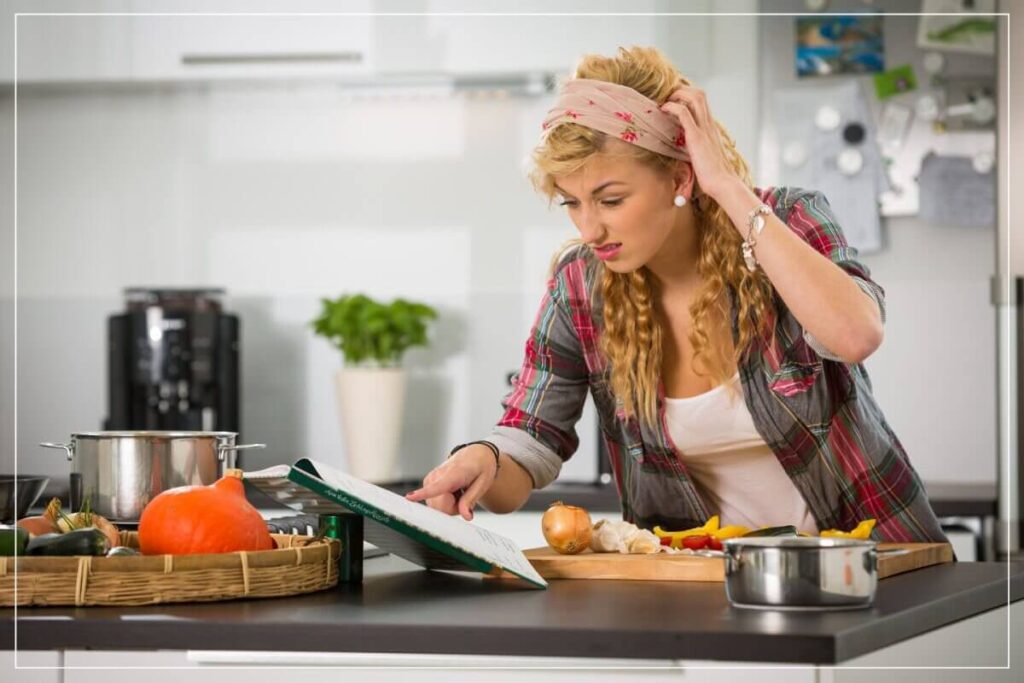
(82, 520)
(37, 526)
(566, 528)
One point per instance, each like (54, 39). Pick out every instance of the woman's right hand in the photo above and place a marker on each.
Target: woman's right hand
(455, 486)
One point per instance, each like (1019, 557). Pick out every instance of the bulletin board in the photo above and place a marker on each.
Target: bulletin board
(890, 123)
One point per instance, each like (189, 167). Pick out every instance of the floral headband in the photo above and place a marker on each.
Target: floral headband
(620, 111)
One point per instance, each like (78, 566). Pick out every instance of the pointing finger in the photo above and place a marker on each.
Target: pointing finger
(445, 503)
(468, 500)
(429, 490)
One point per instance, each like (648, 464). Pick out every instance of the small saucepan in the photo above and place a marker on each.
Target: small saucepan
(801, 573)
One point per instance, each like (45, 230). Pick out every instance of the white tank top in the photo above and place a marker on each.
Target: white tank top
(731, 464)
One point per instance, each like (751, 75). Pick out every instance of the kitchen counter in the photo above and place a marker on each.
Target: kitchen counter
(400, 607)
(947, 499)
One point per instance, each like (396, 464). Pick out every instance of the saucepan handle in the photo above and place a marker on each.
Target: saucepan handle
(871, 559)
(67, 447)
(222, 449)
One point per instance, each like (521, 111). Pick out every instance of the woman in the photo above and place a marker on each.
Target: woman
(719, 327)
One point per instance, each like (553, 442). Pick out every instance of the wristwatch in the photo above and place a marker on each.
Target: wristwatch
(755, 224)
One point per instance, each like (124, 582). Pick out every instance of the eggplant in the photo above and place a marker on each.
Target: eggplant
(13, 540)
(88, 541)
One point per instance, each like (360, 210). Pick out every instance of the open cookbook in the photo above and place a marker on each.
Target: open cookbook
(409, 530)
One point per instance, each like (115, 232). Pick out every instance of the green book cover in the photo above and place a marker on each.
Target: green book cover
(409, 530)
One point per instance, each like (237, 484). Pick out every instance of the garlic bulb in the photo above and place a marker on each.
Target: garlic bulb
(605, 538)
(643, 542)
(622, 537)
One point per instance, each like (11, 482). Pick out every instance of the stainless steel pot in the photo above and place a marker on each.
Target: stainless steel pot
(801, 573)
(120, 472)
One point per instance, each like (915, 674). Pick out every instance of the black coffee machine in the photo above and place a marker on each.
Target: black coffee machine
(173, 362)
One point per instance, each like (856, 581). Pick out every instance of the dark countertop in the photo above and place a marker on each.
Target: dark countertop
(400, 607)
(947, 499)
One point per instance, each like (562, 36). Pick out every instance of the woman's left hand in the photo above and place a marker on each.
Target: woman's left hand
(703, 142)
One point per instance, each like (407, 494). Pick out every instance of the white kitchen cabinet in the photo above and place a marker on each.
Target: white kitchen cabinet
(74, 47)
(158, 41)
(499, 44)
(979, 641)
(192, 47)
(260, 666)
(31, 667)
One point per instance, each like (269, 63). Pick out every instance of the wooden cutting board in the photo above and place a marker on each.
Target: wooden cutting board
(665, 567)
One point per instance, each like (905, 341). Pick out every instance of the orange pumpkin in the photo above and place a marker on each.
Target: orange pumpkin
(203, 519)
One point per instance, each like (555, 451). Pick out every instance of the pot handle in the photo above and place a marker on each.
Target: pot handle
(68, 447)
(871, 559)
(222, 449)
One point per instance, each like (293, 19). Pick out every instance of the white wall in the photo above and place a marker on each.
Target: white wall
(6, 280)
(273, 192)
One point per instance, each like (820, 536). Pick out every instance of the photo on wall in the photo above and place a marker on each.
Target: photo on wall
(958, 26)
(833, 45)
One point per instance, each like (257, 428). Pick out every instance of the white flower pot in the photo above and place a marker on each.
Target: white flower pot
(370, 405)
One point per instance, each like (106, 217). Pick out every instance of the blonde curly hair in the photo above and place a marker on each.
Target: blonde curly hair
(632, 336)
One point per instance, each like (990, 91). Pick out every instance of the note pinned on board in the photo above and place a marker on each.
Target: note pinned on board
(846, 167)
(953, 192)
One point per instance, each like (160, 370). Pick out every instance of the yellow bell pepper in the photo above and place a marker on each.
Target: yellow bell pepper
(731, 531)
(862, 531)
(677, 537)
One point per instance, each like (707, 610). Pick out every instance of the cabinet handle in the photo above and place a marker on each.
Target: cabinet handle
(211, 658)
(271, 58)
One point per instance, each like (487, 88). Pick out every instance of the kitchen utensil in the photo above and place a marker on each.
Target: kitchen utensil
(707, 565)
(29, 488)
(120, 472)
(802, 573)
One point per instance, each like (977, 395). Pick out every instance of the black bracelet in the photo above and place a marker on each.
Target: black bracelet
(494, 449)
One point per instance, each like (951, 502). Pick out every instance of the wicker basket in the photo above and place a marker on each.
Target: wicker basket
(292, 568)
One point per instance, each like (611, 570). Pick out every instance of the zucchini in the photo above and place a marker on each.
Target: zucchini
(122, 551)
(88, 541)
(13, 540)
(787, 530)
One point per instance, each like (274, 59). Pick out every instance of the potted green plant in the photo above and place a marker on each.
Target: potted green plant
(372, 337)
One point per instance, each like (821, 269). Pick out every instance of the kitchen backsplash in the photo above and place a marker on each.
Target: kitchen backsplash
(157, 189)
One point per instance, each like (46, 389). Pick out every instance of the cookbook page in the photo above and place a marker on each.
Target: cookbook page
(382, 504)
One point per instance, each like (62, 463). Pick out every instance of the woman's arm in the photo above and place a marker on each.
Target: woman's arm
(537, 431)
(823, 297)
(511, 488)
(471, 470)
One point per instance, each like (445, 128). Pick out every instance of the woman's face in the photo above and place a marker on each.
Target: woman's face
(623, 208)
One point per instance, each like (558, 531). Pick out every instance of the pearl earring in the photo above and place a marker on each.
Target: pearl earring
(680, 200)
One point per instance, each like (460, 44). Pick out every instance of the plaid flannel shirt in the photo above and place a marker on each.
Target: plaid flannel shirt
(815, 412)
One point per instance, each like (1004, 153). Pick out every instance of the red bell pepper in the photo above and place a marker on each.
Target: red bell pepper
(696, 542)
